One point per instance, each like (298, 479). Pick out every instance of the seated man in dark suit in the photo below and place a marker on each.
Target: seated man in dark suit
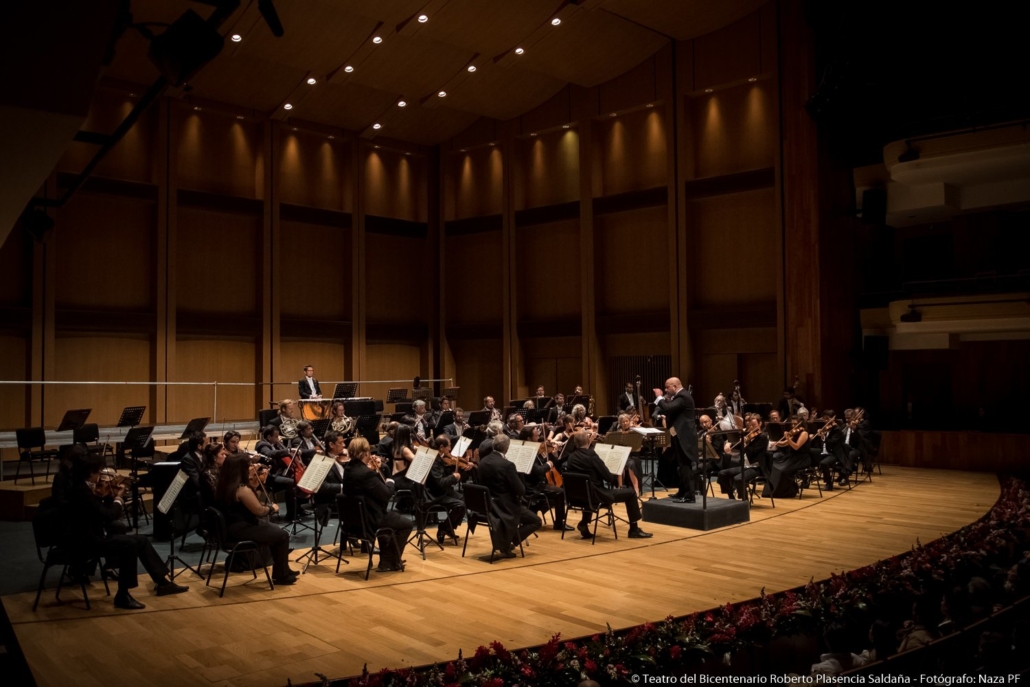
(90, 518)
(585, 460)
(363, 477)
(458, 427)
(498, 474)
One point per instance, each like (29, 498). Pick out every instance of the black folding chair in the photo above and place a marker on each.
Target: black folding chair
(32, 448)
(581, 495)
(217, 539)
(477, 512)
(354, 529)
(48, 529)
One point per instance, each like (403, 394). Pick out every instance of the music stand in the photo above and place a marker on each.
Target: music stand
(169, 505)
(135, 440)
(479, 417)
(131, 416)
(396, 395)
(403, 407)
(197, 424)
(652, 441)
(356, 407)
(368, 427)
(397, 417)
(320, 427)
(446, 418)
(74, 419)
(345, 390)
(451, 392)
(582, 400)
(543, 402)
(604, 424)
(422, 392)
(762, 409)
(517, 402)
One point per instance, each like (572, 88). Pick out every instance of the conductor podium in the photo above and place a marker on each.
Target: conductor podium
(696, 516)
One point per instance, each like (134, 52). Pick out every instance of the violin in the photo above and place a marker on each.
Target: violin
(110, 484)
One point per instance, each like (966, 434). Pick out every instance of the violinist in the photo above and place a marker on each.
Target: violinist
(514, 426)
(827, 448)
(580, 417)
(791, 456)
(537, 482)
(625, 426)
(490, 406)
(754, 459)
(273, 454)
(332, 485)
(231, 441)
(362, 477)
(214, 457)
(90, 517)
(192, 462)
(286, 421)
(852, 440)
(444, 474)
(307, 442)
(237, 499)
(458, 427)
(709, 450)
(419, 423)
(403, 452)
(385, 446)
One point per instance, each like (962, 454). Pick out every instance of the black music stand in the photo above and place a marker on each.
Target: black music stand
(74, 419)
(423, 392)
(321, 514)
(762, 409)
(131, 416)
(451, 392)
(583, 400)
(538, 415)
(403, 407)
(345, 390)
(396, 395)
(136, 439)
(321, 427)
(297, 520)
(479, 417)
(368, 427)
(446, 418)
(397, 417)
(517, 402)
(543, 402)
(604, 424)
(174, 514)
(652, 442)
(197, 424)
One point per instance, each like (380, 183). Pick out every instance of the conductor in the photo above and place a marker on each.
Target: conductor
(677, 407)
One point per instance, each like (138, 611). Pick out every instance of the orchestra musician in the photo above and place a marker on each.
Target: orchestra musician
(498, 474)
(736, 403)
(332, 486)
(385, 446)
(308, 387)
(754, 459)
(514, 425)
(490, 405)
(306, 441)
(629, 398)
(677, 407)
(724, 418)
(91, 518)
(403, 452)
(790, 456)
(286, 421)
(236, 498)
(580, 417)
(827, 449)
(338, 420)
(789, 404)
(440, 485)
(540, 393)
(192, 462)
(214, 457)
(458, 427)
(231, 440)
(362, 477)
(273, 454)
(624, 425)
(536, 480)
(418, 420)
(586, 461)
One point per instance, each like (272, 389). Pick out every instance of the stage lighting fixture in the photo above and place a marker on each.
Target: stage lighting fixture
(519, 51)
(312, 81)
(348, 69)
(472, 68)
(236, 38)
(422, 19)
(377, 126)
(555, 21)
(377, 40)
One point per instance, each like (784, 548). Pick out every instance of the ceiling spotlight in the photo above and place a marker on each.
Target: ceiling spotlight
(472, 68)
(239, 116)
(331, 137)
(519, 51)
(377, 40)
(650, 104)
(401, 103)
(408, 153)
(377, 147)
(555, 21)
(132, 95)
(294, 128)
(463, 150)
(492, 144)
(613, 114)
(196, 108)
(348, 69)
(377, 126)
(312, 81)
(565, 126)
(708, 90)
(287, 106)
(422, 19)
(753, 79)
(236, 38)
(442, 94)
(533, 134)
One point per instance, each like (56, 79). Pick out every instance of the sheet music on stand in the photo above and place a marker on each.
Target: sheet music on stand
(314, 473)
(197, 424)
(523, 453)
(131, 416)
(74, 419)
(634, 441)
(647, 431)
(345, 390)
(172, 493)
(461, 446)
(421, 464)
(614, 457)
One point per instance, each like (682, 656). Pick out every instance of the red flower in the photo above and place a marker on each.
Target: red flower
(528, 672)
(590, 666)
(674, 651)
(494, 682)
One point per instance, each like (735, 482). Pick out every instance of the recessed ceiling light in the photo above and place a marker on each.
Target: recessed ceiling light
(196, 108)
(708, 90)
(377, 126)
(312, 81)
(555, 21)
(348, 69)
(533, 134)
(422, 19)
(613, 114)
(236, 38)
(565, 126)
(442, 94)
(753, 79)
(294, 128)
(377, 40)
(472, 67)
(407, 153)
(492, 144)
(239, 116)
(377, 147)
(463, 150)
(650, 104)
(132, 95)
(331, 137)
(287, 106)
(401, 103)
(519, 51)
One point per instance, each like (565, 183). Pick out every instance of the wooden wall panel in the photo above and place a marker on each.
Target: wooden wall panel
(734, 129)
(131, 158)
(644, 343)
(315, 171)
(548, 169)
(99, 358)
(633, 150)
(219, 154)
(636, 87)
(555, 362)
(395, 185)
(397, 290)
(315, 262)
(228, 282)
(982, 451)
(16, 269)
(473, 183)
(632, 261)
(718, 370)
(729, 54)
(472, 264)
(106, 254)
(735, 258)
(221, 360)
(14, 366)
(328, 359)
(759, 377)
(478, 371)
(548, 273)
(390, 361)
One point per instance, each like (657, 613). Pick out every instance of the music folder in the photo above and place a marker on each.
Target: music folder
(421, 464)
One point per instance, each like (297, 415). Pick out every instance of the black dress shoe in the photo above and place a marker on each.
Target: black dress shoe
(560, 527)
(125, 601)
(171, 588)
(637, 533)
(390, 568)
(285, 581)
(510, 553)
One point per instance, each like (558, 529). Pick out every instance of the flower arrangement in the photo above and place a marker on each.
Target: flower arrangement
(707, 639)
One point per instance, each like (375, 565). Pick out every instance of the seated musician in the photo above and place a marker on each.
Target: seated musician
(624, 425)
(557, 408)
(580, 417)
(231, 441)
(514, 425)
(540, 393)
(723, 418)
(736, 403)
(490, 406)
(306, 442)
(774, 416)
(708, 450)
(789, 404)
(434, 413)
(91, 515)
(498, 474)
(385, 446)
(446, 472)
(755, 459)
(585, 460)
(192, 462)
(827, 449)
(214, 457)
(308, 386)
(790, 456)
(537, 481)
(402, 453)
(274, 455)
(332, 485)
(243, 511)
(286, 421)
(458, 427)
(362, 477)
(628, 399)
(418, 420)
(864, 429)
(338, 420)
(853, 440)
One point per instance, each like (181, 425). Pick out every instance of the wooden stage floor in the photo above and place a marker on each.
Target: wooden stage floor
(333, 624)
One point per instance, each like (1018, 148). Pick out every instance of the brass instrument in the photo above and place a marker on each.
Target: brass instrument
(342, 425)
(288, 428)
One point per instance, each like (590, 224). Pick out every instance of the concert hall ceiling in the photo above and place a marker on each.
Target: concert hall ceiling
(594, 41)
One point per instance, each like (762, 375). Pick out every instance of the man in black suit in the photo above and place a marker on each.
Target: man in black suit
(628, 399)
(90, 521)
(458, 427)
(308, 387)
(754, 459)
(677, 407)
(498, 474)
(586, 461)
(440, 484)
(273, 454)
(363, 477)
(192, 462)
